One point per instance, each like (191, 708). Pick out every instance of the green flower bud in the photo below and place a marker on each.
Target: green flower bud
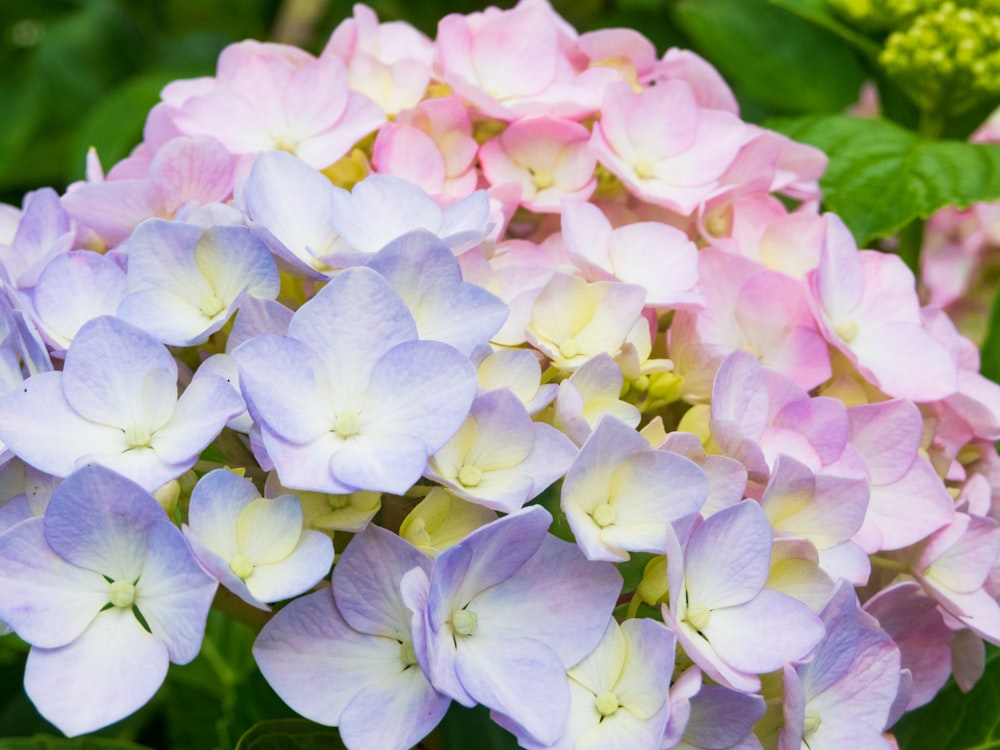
(948, 57)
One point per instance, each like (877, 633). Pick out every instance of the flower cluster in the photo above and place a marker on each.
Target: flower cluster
(438, 302)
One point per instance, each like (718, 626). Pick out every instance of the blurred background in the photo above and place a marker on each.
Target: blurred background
(82, 73)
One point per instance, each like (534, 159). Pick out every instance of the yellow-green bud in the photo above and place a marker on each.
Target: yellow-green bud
(946, 55)
(653, 589)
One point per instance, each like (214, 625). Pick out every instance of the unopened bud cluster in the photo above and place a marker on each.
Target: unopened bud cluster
(948, 54)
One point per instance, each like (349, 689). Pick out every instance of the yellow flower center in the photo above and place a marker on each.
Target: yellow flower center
(465, 622)
(542, 179)
(122, 594)
(137, 436)
(242, 566)
(698, 616)
(607, 703)
(348, 423)
(645, 170)
(811, 724)
(569, 348)
(846, 330)
(337, 502)
(406, 654)
(603, 515)
(211, 306)
(470, 475)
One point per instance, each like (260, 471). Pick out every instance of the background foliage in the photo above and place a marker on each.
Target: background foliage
(81, 73)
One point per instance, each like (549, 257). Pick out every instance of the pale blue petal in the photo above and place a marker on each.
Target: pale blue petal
(466, 222)
(721, 717)
(174, 592)
(219, 569)
(366, 582)
(394, 713)
(258, 316)
(168, 317)
(216, 503)
(224, 366)
(383, 462)
(521, 678)
(290, 205)
(117, 374)
(426, 274)
(202, 411)
(649, 664)
(492, 554)
(109, 672)
(743, 636)
(316, 662)
(74, 288)
(48, 601)
(161, 256)
(42, 429)
(286, 387)
(142, 465)
(98, 519)
(351, 323)
(306, 466)
(420, 388)
(557, 597)
(381, 208)
(306, 566)
(232, 259)
(728, 559)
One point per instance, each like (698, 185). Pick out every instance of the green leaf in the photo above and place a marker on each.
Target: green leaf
(461, 724)
(221, 694)
(45, 742)
(633, 569)
(762, 51)
(957, 721)
(290, 734)
(114, 126)
(818, 12)
(882, 177)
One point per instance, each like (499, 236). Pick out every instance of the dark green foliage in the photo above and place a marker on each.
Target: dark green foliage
(882, 177)
(957, 721)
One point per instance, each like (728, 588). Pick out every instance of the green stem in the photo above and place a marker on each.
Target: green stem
(911, 240)
(932, 123)
(887, 564)
(237, 454)
(633, 607)
(228, 603)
